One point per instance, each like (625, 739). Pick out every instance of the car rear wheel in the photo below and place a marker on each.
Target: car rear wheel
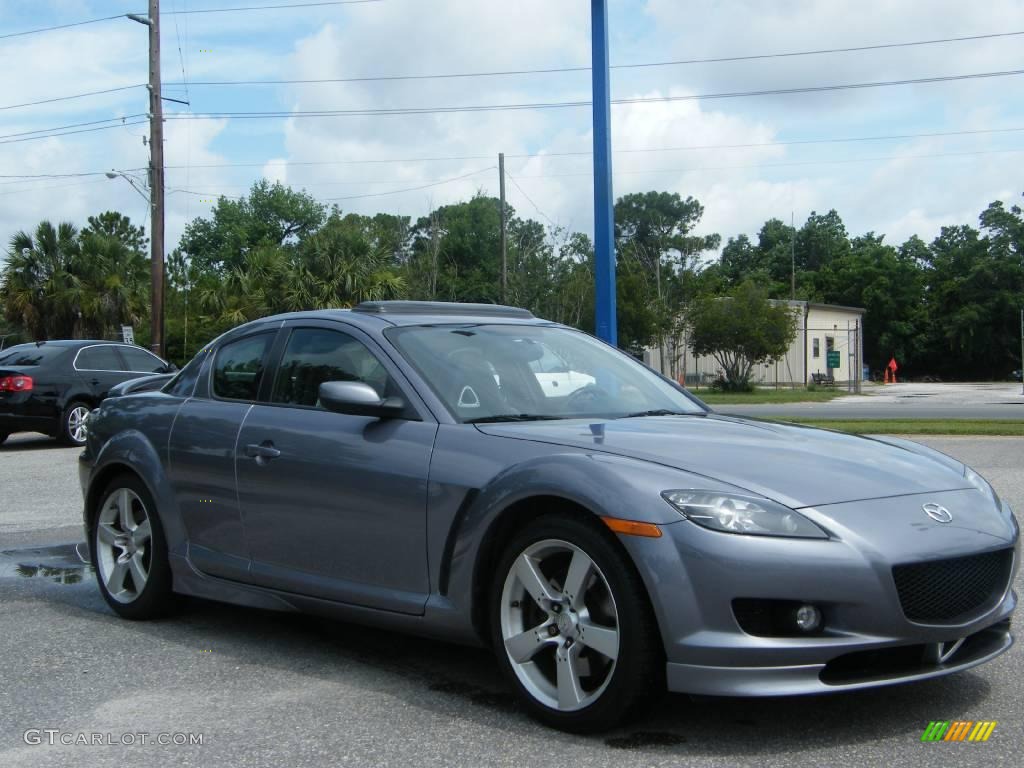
(73, 425)
(129, 551)
(572, 626)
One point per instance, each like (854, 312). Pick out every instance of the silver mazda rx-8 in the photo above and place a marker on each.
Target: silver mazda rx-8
(474, 473)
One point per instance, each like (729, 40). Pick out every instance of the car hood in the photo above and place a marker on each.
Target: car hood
(795, 465)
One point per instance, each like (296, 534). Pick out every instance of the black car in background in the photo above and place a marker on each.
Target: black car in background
(50, 386)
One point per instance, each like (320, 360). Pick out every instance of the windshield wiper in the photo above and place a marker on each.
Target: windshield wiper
(661, 412)
(511, 417)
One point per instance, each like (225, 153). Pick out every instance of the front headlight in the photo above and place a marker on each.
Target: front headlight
(731, 513)
(982, 485)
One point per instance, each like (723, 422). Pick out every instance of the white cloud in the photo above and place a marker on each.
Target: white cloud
(740, 187)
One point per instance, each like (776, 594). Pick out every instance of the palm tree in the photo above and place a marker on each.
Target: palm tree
(111, 282)
(37, 285)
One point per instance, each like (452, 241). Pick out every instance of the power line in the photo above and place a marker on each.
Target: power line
(574, 153)
(373, 112)
(648, 171)
(73, 125)
(587, 153)
(639, 65)
(639, 172)
(269, 7)
(69, 133)
(73, 96)
(196, 10)
(530, 199)
(61, 26)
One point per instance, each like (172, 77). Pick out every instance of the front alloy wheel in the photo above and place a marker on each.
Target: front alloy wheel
(572, 625)
(559, 625)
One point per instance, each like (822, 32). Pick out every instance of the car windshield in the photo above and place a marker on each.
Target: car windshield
(30, 354)
(528, 372)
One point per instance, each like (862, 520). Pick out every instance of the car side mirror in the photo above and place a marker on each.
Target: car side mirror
(357, 398)
(170, 368)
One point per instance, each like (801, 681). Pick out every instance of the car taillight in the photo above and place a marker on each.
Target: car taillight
(16, 384)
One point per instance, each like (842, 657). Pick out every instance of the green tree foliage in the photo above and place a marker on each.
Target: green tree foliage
(657, 253)
(271, 215)
(740, 331)
(119, 227)
(890, 285)
(58, 283)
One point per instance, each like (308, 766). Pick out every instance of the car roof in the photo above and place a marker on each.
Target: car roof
(379, 314)
(66, 343)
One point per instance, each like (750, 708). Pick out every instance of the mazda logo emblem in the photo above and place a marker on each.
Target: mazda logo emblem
(938, 513)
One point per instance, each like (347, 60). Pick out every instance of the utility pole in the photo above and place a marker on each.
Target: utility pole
(504, 227)
(605, 321)
(792, 257)
(156, 178)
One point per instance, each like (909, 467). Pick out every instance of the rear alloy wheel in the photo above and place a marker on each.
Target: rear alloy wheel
(573, 627)
(129, 552)
(73, 429)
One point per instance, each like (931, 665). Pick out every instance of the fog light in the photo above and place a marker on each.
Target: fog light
(808, 618)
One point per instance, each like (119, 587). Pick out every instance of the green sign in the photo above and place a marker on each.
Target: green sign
(833, 358)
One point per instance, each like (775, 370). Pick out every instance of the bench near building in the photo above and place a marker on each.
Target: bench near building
(820, 329)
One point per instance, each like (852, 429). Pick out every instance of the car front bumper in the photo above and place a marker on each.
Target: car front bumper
(873, 666)
(694, 575)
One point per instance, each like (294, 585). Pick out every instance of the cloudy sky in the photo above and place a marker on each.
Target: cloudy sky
(745, 158)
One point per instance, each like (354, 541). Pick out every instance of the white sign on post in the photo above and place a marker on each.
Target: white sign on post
(128, 334)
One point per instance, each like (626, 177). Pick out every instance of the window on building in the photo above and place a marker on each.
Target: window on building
(830, 343)
(816, 347)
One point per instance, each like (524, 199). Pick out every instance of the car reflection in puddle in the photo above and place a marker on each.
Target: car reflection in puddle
(63, 564)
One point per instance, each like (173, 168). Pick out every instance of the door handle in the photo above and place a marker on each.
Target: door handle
(263, 452)
(94, 382)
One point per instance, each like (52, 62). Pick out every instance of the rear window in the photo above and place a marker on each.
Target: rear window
(99, 358)
(30, 354)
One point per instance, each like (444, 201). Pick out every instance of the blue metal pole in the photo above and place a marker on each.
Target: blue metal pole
(604, 212)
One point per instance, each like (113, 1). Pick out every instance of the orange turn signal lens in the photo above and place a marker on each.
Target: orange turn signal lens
(632, 527)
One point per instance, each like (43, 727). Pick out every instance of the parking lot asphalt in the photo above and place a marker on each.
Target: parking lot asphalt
(1002, 400)
(269, 689)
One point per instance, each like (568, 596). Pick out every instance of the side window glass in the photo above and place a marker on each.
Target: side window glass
(140, 360)
(239, 367)
(103, 358)
(184, 383)
(316, 355)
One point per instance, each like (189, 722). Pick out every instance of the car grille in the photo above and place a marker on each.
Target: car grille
(952, 591)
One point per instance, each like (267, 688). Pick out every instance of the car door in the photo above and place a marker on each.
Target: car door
(99, 367)
(334, 505)
(201, 453)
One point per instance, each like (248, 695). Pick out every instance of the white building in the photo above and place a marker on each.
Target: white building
(820, 329)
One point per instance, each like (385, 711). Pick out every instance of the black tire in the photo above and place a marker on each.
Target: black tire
(68, 433)
(155, 599)
(3, 437)
(636, 678)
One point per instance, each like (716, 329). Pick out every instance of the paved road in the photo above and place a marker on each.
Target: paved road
(904, 401)
(842, 409)
(272, 689)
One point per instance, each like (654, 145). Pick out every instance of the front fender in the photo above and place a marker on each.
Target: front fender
(481, 495)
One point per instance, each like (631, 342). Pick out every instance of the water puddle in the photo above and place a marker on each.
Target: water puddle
(63, 564)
